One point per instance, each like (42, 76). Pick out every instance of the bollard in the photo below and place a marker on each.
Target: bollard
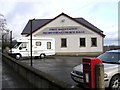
(99, 77)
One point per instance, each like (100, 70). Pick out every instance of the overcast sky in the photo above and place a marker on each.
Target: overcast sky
(101, 13)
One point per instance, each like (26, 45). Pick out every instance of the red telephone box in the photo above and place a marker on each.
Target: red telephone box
(89, 71)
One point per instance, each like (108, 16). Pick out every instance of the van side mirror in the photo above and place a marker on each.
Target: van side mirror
(20, 48)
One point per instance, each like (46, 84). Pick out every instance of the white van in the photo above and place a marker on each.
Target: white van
(41, 47)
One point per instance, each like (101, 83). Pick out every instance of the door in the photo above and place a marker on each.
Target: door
(24, 49)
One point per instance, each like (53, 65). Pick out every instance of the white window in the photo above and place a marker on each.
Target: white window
(94, 42)
(82, 42)
(24, 45)
(38, 43)
(48, 45)
(63, 42)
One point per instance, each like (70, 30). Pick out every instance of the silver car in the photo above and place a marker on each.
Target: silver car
(111, 61)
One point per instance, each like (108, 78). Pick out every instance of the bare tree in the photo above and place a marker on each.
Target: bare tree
(4, 31)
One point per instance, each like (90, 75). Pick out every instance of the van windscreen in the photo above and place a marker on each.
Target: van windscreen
(17, 44)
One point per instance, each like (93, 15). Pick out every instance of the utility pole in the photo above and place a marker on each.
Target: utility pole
(10, 38)
(31, 27)
(31, 41)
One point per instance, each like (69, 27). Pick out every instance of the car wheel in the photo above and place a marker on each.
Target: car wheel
(42, 56)
(115, 82)
(18, 56)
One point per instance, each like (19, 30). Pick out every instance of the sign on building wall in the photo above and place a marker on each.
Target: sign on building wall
(64, 30)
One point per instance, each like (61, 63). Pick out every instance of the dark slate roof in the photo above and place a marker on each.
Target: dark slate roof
(38, 23)
(35, 25)
(87, 24)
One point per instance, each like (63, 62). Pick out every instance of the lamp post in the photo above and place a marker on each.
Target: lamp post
(31, 27)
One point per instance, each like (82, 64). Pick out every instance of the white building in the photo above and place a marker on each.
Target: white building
(74, 36)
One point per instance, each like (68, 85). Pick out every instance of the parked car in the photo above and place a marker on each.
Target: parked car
(111, 61)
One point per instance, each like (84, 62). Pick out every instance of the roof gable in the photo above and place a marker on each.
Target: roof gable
(39, 23)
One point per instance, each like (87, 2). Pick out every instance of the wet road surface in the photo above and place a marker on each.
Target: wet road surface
(57, 66)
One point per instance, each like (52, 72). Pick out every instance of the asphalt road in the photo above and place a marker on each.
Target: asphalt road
(57, 66)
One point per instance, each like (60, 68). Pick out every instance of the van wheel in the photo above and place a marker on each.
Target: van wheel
(42, 56)
(18, 56)
(115, 82)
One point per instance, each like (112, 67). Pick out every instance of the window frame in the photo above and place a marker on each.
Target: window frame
(49, 45)
(94, 44)
(84, 45)
(38, 44)
(63, 42)
(23, 45)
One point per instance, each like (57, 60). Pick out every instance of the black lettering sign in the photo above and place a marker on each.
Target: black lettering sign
(62, 30)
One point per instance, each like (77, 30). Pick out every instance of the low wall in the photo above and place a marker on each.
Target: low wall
(78, 53)
(36, 77)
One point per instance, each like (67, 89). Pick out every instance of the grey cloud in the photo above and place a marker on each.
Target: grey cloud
(27, 9)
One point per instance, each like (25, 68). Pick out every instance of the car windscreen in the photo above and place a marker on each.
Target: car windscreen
(110, 57)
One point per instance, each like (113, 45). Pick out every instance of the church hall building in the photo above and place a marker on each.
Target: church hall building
(73, 36)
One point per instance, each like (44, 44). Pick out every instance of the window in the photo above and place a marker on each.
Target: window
(63, 42)
(23, 45)
(82, 42)
(38, 43)
(93, 42)
(48, 45)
